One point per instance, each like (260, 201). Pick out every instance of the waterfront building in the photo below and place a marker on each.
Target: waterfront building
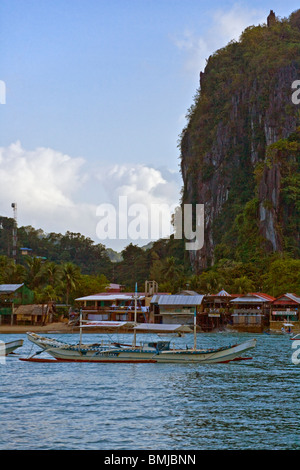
(251, 312)
(216, 311)
(176, 309)
(285, 308)
(11, 296)
(113, 306)
(33, 314)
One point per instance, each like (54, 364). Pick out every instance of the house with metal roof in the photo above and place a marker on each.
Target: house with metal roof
(175, 308)
(251, 312)
(285, 308)
(215, 314)
(12, 295)
(115, 306)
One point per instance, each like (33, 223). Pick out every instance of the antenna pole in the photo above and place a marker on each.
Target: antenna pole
(14, 232)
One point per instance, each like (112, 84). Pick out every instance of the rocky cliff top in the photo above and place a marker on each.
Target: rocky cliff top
(244, 106)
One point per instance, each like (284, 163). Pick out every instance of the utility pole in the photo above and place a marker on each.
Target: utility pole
(14, 232)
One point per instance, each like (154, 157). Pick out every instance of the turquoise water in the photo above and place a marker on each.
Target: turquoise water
(242, 405)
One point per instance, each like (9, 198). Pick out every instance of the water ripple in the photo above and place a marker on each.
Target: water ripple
(246, 405)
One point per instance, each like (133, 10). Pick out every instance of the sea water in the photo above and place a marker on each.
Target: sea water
(250, 404)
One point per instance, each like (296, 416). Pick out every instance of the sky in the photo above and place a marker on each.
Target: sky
(96, 94)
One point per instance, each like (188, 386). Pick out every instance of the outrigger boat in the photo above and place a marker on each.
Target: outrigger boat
(8, 348)
(155, 352)
(147, 352)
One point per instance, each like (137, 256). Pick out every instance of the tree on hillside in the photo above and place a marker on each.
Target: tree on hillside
(51, 273)
(34, 272)
(10, 272)
(70, 278)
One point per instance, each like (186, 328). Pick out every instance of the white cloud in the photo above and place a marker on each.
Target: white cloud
(225, 25)
(140, 183)
(145, 189)
(46, 185)
(43, 183)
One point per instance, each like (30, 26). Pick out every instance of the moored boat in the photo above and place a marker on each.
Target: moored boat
(8, 348)
(154, 351)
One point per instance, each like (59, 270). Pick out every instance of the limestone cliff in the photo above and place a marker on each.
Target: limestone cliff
(242, 108)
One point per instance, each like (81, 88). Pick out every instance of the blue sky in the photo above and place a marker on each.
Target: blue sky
(96, 97)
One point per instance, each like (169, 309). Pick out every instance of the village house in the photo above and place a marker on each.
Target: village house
(216, 311)
(34, 314)
(113, 304)
(116, 305)
(285, 310)
(176, 309)
(11, 296)
(251, 312)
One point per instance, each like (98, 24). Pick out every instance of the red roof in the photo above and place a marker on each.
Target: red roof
(291, 299)
(264, 296)
(285, 302)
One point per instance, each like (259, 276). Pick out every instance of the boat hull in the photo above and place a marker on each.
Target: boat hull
(8, 348)
(75, 353)
(221, 355)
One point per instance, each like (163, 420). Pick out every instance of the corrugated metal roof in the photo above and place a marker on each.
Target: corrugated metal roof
(187, 300)
(110, 297)
(249, 300)
(262, 295)
(293, 297)
(7, 288)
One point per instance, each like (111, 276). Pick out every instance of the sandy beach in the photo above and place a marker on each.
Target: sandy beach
(58, 327)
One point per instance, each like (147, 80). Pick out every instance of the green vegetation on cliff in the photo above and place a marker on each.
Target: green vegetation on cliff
(240, 149)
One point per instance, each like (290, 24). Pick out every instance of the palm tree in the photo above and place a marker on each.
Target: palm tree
(70, 277)
(243, 285)
(11, 273)
(51, 272)
(170, 270)
(34, 272)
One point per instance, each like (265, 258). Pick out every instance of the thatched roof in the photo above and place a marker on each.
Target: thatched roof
(33, 309)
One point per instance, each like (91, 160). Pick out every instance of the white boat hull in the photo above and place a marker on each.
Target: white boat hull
(221, 355)
(8, 348)
(98, 353)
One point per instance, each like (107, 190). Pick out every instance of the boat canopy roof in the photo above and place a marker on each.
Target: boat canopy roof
(105, 324)
(163, 327)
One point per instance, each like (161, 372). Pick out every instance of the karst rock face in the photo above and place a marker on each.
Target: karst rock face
(237, 148)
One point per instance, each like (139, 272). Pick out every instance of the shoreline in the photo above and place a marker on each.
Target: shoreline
(58, 327)
(64, 328)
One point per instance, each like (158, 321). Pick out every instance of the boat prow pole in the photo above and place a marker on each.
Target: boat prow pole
(195, 329)
(135, 315)
(80, 327)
